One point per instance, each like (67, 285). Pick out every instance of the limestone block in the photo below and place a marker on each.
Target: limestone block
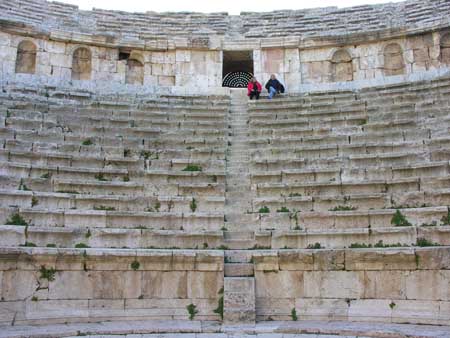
(414, 311)
(433, 258)
(72, 285)
(10, 310)
(49, 309)
(295, 260)
(265, 261)
(155, 260)
(183, 68)
(391, 259)
(274, 307)
(164, 284)
(166, 81)
(199, 68)
(8, 53)
(428, 285)
(55, 47)
(273, 60)
(374, 310)
(18, 285)
(281, 284)
(325, 260)
(183, 260)
(291, 60)
(12, 235)
(321, 309)
(60, 60)
(199, 56)
(314, 55)
(333, 284)
(385, 284)
(182, 55)
(68, 259)
(204, 284)
(209, 261)
(444, 312)
(116, 284)
(5, 39)
(109, 260)
(107, 308)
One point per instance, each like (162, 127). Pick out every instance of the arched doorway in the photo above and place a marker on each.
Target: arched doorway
(237, 68)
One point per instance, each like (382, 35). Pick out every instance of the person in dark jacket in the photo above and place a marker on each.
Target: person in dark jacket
(254, 88)
(274, 86)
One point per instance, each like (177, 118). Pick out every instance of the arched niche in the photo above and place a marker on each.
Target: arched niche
(394, 64)
(26, 57)
(342, 66)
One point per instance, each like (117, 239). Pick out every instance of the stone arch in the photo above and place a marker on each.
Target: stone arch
(81, 64)
(394, 64)
(135, 72)
(342, 66)
(445, 49)
(26, 57)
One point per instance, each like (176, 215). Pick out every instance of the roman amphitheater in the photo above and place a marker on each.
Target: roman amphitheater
(143, 195)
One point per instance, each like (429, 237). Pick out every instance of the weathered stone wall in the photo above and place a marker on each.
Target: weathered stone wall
(396, 285)
(108, 285)
(200, 70)
(60, 61)
(185, 50)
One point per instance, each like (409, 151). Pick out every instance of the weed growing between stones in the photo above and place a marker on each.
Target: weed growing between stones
(192, 310)
(28, 245)
(87, 142)
(135, 265)
(192, 167)
(81, 246)
(104, 208)
(344, 208)
(48, 274)
(100, 177)
(315, 246)
(423, 242)
(446, 219)
(34, 201)
(294, 315)
(193, 205)
(219, 309)
(283, 209)
(16, 219)
(264, 210)
(399, 220)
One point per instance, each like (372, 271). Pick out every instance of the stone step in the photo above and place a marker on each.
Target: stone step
(239, 300)
(239, 235)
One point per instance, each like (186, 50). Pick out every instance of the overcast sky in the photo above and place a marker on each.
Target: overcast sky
(230, 6)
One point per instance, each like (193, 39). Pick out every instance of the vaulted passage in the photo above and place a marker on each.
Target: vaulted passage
(237, 68)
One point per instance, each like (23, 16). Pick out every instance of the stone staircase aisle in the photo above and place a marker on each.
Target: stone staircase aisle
(239, 222)
(239, 281)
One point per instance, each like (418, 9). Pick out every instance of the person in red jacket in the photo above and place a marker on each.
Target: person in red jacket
(254, 88)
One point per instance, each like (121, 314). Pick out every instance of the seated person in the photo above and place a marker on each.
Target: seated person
(254, 88)
(274, 86)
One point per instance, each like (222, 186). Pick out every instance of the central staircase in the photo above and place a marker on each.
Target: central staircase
(239, 282)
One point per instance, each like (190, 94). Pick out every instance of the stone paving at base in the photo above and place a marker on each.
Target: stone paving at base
(197, 329)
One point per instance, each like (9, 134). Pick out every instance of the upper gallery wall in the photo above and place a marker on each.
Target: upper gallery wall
(59, 42)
